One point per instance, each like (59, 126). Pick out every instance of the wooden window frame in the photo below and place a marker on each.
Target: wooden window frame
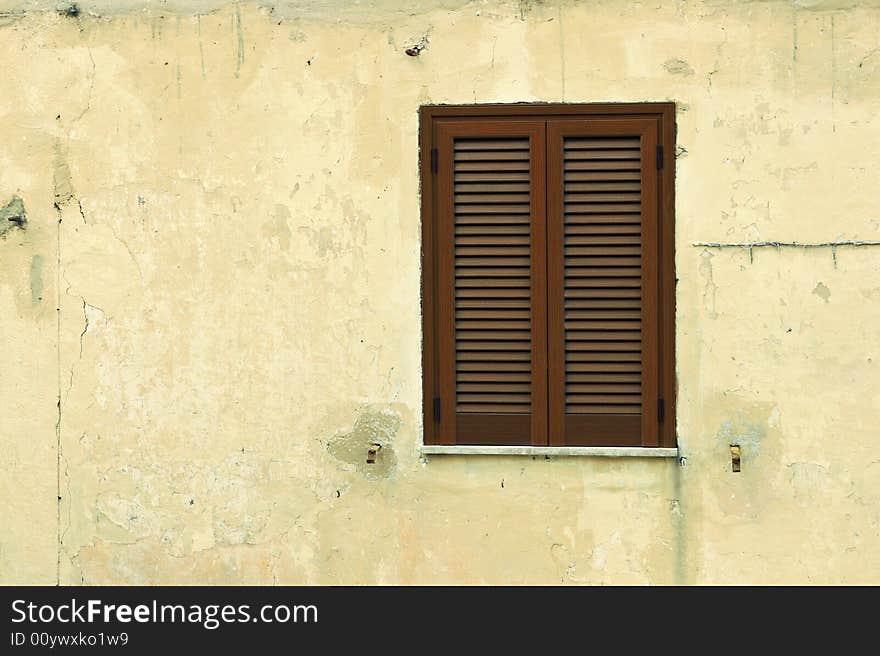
(430, 119)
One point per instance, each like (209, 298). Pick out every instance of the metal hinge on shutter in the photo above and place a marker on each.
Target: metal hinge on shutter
(437, 409)
(661, 410)
(659, 158)
(435, 160)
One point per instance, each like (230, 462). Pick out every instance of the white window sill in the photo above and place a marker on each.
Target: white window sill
(555, 451)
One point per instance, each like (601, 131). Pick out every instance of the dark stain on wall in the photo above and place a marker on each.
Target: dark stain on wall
(12, 215)
(71, 10)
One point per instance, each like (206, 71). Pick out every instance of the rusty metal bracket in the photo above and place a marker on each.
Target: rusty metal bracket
(735, 457)
(372, 451)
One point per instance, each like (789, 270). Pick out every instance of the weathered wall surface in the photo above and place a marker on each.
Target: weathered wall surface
(219, 279)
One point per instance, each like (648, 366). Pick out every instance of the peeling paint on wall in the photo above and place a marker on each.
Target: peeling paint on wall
(822, 291)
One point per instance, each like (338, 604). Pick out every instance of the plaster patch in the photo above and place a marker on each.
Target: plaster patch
(123, 520)
(12, 215)
(324, 239)
(61, 175)
(822, 292)
(370, 428)
(808, 480)
(36, 279)
(710, 289)
(239, 41)
(748, 434)
(678, 67)
(240, 520)
(279, 227)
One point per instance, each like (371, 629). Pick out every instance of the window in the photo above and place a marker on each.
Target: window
(547, 274)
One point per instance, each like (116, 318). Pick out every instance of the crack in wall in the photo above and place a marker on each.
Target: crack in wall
(58, 420)
(63, 533)
(86, 325)
(130, 252)
(779, 245)
(81, 335)
(64, 194)
(91, 88)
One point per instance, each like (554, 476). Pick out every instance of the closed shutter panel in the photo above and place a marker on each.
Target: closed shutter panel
(491, 282)
(603, 326)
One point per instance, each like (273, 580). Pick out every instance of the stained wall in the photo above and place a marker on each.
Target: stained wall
(213, 306)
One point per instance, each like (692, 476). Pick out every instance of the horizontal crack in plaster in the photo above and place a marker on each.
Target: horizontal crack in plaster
(784, 244)
(778, 245)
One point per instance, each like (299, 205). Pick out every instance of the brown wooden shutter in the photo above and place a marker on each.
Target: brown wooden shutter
(491, 282)
(603, 282)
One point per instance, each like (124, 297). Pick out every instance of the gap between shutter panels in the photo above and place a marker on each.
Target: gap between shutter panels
(602, 274)
(492, 217)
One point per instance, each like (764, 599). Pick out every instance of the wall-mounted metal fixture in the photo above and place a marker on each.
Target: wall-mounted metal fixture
(735, 457)
(416, 49)
(372, 451)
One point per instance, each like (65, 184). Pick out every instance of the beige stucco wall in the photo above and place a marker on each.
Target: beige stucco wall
(226, 301)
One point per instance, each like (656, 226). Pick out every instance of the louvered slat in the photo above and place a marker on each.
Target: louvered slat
(492, 215)
(602, 229)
